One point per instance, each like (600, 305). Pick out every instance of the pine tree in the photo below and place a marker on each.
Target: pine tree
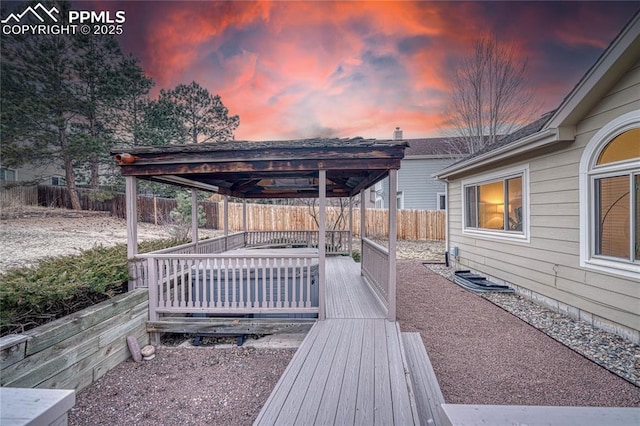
(64, 100)
(190, 114)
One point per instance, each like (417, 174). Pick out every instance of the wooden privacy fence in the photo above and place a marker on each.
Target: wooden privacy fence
(150, 209)
(412, 224)
(13, 196)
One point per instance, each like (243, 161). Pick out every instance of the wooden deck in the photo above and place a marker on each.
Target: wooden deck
(350, 369)
(348, 295)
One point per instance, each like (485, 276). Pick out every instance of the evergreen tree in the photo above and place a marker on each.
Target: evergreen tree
(190, 114)
(40, 94)
(66, 99)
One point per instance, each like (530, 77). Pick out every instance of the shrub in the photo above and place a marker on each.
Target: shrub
(58, 286)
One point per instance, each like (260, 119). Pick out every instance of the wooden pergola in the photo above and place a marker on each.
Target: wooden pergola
(311, 168)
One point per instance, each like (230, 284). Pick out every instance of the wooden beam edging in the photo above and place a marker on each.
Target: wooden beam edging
(230, 325)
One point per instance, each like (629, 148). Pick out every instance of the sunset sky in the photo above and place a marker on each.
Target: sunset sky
(345, 69)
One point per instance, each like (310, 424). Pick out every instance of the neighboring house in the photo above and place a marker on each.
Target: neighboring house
(417, 188)
(49, 175)
(554, 209)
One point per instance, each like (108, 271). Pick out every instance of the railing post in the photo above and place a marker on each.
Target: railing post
(244, 215)
(131, 206)
(393, 234)
(226, 222)
(194, 219)
(322, 189)
(152, 273)
(350, 243)
(362, 228)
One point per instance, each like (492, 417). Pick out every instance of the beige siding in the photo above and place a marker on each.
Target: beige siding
(550, 263)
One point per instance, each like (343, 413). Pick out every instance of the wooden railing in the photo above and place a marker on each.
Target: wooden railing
(232, 283)
(138, 267)
(375, 268)
(337, 242)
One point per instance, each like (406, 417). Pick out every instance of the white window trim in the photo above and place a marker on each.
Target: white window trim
(595, 145)
(438, 195)
(521, 237)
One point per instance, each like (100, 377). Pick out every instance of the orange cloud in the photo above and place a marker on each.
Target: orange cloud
(300, 69)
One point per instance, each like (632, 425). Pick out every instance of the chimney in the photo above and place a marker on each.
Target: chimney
(397, 134)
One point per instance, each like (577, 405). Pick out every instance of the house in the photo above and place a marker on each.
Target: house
(50, 174)
(554, 209)
(417, 188)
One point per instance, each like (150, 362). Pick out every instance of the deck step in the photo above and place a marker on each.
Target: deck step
(426, 389)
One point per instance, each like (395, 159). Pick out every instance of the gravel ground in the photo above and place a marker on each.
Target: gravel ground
(196, 386)
(481, 353)
(484, 355)
(618, 355)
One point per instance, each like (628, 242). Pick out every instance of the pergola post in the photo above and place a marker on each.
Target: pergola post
(244, 215)
(322, 195)
(131, 205)
(226, 221)
(350, 226)
(393, 234)
(194, 217)
(362, 227)
(225, 208)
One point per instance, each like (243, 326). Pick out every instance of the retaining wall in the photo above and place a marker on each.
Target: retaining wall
(75, 351)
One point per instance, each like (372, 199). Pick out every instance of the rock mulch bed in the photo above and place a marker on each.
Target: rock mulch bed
(482, 354)
(609, 350)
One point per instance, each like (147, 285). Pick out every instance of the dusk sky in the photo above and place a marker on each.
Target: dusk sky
(346, 69)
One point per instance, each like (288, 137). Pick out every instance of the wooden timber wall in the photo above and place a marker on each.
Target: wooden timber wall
(75, 351)
(412, 224)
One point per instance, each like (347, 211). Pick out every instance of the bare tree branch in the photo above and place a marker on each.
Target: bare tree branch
(490, 96)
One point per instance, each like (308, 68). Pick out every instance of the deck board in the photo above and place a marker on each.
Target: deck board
(350, 369)
(348, 294)
(348, 374)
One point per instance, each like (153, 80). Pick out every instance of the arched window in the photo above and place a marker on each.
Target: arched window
(610, 197)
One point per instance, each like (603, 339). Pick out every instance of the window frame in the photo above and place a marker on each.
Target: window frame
(590, 171)
(521, 171)
(6, 170)
(441, 196)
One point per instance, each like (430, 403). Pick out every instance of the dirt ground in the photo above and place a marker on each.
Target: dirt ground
(32, 233)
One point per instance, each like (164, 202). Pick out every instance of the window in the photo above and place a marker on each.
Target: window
(441, 201)
(7, 174)
(58, 181)
(496, 205)
(400, 200)
(610, 198)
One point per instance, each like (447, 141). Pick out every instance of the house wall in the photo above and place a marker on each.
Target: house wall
(417, 184)
(40, 174)
(547, 267)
